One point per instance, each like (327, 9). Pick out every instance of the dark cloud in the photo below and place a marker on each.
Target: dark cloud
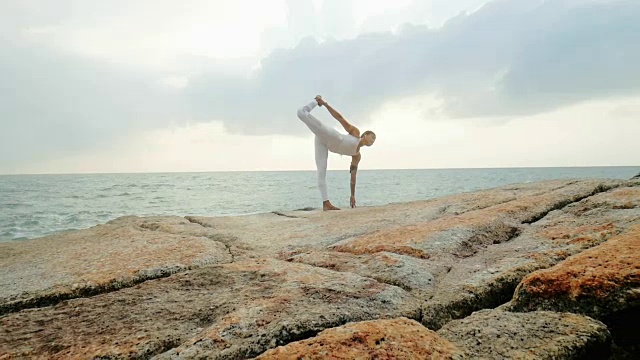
(508, 58)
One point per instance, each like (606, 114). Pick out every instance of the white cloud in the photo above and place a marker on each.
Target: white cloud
(509, 58)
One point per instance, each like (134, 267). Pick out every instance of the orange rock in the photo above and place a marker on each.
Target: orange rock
(596, 282)
(399, 338)
(473, 229)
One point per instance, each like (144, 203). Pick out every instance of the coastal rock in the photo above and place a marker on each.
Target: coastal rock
(236, 310)
(595, 219)
(494, 334)
(489, 278)
(104, 258)
(382, 339)
(475, 260)
(407, 272)
(462, 235)
(602, 282)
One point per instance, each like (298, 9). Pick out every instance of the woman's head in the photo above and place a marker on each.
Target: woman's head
(369, 137)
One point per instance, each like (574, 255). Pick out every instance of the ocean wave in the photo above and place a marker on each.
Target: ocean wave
(72, 218)
(13, 233)
(32, 222)
(14, 205)
(9, 236)
(163, 185)
(120, 186)
(103, 196)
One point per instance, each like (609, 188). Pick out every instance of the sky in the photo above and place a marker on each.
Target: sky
(198, 85)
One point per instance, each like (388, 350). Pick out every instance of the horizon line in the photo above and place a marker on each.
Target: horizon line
(313, 170)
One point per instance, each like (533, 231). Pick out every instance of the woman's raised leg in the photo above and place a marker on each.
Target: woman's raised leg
(314, 124)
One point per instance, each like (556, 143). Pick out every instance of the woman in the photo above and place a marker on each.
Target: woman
(328, 139)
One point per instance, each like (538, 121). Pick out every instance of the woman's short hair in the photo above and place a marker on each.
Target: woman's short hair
(369, 132)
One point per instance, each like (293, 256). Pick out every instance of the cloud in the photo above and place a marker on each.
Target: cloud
(53, 103)
(508, 58)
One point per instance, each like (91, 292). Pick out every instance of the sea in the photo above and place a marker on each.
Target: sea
(33, 206)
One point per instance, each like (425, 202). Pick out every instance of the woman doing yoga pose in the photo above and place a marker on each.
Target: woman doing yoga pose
(328, 139)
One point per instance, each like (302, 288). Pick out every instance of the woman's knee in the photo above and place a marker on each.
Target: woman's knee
(302, 113)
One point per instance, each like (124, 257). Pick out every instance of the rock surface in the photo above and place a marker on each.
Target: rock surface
(121, 253)
(597, 282)
(234, 287)
(234, 310)
(490, 278)
(404, 271)
(495, 334)
(602, 282)
(382, 339)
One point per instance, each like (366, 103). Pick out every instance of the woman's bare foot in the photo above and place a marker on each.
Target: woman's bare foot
(326, 206)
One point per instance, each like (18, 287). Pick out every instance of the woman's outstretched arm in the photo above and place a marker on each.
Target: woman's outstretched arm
(345, 124)
(355, 160)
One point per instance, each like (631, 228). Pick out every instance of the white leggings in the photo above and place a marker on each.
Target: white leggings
(324, 134)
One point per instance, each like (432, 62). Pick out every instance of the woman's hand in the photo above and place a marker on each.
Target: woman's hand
(320, 101)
